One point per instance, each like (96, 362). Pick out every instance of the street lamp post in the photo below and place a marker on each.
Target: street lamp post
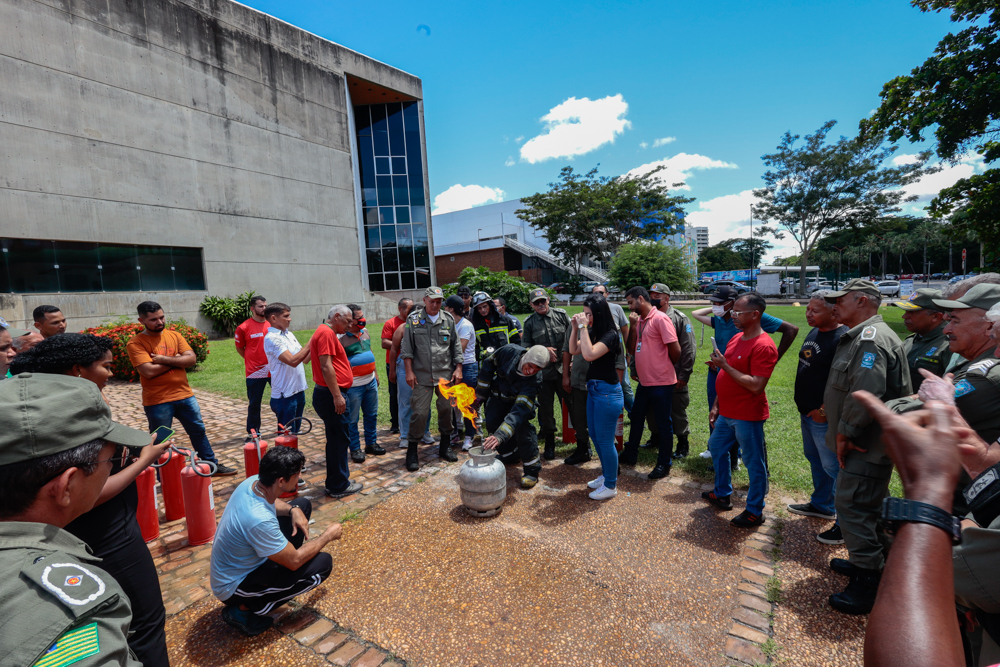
(840, 260)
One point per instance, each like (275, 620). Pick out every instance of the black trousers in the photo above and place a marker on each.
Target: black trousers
(338, 439)
(255, 394)
(390, 373)
(524, 444)
(271, 585)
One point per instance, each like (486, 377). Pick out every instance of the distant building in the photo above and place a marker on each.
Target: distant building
(701, 238)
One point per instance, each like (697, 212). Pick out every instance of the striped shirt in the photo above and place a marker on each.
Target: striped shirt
(360, 356)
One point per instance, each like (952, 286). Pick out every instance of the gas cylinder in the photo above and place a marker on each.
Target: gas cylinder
(569, 432)
(253, 452)
(482, 482)
(171, 462)
(147, 511)
(199, 501)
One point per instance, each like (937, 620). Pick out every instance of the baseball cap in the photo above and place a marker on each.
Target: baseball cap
(456, 302)
(982, 296)
(920, 299)
(14, 332)
(723, 294)
(43, 414)
(537, 294)
(855, 285)
(660, 288)
(434, 292)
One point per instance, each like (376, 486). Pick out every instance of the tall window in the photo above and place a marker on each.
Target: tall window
(31, 266)
(392, 184)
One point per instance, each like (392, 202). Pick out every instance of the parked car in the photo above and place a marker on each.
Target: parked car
(906, 276)
(891, 276)
(888, 287)
(960, 277)
(712, 286)
(812, 287)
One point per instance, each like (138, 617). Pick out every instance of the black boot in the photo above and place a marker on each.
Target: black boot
(682, 447)
(444, 451)
(530, 477)
(581, 455)
(412, 464)
(550, 447)
(859, 596)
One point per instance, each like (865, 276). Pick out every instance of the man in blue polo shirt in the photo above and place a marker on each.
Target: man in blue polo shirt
(719, 317)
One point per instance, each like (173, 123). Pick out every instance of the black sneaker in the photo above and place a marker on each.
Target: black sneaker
(722, 503)
(832, 536)
(223, 471)
(375, 450)
(859, 596)
(357, 455)
(246, 622)
(353, 487)
(747, 520)
(808, 509)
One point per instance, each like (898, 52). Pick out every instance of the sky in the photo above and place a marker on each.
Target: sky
(514, 90)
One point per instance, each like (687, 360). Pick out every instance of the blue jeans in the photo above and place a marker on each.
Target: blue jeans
(403, 394)
(188, 413)
(658, 400)
(822, 462)
(289, 408)
(363, 399)
(470, 376)
(604, 404)
(750, 435)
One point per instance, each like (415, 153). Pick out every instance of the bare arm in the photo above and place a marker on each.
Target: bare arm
(185, 359)
(752, 383)
(116, 483)
(631, 337)
(788, 333)
(150, 370)
(330, 377)
(592, 351)
(242, 352)
(386, 343)
(293, 360)
(292, 558)
(704, 315)
(674, 350)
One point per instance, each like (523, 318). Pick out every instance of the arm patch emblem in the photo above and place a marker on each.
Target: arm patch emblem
(868, 361)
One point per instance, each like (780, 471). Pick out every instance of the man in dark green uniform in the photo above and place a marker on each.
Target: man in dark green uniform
(57, 445)
(925, 347)
(870, 357)
(547, 327)
(509, 384)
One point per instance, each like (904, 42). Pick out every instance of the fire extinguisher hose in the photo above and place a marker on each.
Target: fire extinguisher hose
(286, 429)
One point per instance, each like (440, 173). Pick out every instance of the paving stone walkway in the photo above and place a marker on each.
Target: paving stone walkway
(654, 577)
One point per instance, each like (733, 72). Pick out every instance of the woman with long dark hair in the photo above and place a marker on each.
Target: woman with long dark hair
(110, 529)
(595, 336)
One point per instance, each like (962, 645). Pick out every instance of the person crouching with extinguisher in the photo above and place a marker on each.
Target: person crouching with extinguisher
(261, 557)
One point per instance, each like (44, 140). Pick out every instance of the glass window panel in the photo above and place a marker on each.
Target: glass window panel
(381, 143)
(4, 276)
(418, 215)
(400, 190)
(410, 115)
(402, 215)
(118, 270)
(423, 279)
(370, 216)
(390, 260)
(388, 236)
(384, 184)
(32, 266)
(399, 165)
(376, 282)
(372, 242)
(408, 281)
(382, 165)
(406, 258)
(404, 236)
(374, 261)
(367, 160)
(380, 129)
(78, 270)
(371, 197)
(421, 257)
(155, 272)
(189, 271)
(391, 281)
(394, 111)
(362, 120)
(419, 235)
(385, 215)
(414, 158)
(417, 196)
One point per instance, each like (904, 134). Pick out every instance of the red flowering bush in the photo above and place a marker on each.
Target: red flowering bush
(122, 331)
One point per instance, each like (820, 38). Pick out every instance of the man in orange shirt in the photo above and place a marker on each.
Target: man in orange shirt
(161, 357)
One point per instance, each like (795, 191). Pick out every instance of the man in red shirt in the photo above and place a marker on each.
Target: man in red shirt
(333, 377)
(741, 409)
(250, 345)
(388, 329)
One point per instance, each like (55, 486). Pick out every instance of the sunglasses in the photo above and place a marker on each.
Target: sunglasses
(738, 313)
(122, 457)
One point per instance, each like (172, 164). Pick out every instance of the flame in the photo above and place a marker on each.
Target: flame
(461, 396)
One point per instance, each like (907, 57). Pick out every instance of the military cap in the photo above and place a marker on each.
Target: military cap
(659, 288)
(855, 285)
(723, 294)
(14, 332)
(434, 292)
(43, 414)
(537, 294)
(982, 296)
(920, 299)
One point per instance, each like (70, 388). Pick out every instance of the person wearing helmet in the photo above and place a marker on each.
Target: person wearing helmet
(493, 331)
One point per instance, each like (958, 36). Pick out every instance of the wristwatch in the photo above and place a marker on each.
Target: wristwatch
(897, 511)
(581, 325)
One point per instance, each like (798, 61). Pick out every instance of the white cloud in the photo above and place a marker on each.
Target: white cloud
(679, 167)
(577, 126)
(728, 217)
(459, 197)
(509, 162)
(664, 141)
(643, 145)
(520, 139)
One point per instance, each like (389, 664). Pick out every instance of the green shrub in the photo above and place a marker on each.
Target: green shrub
(645, 263)
(121, 332)
(226, 312)
(513, 290)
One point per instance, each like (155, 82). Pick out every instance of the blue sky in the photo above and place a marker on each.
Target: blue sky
(716, 83)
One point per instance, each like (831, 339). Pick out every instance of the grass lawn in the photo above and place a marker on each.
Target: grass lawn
(223, 373)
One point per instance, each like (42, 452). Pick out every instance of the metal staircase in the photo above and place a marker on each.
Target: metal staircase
(531, 251)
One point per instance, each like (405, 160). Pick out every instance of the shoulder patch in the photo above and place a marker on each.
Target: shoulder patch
(868, 333)
(57, 577)
(73, 646)
(688, 328)
(963, 387)
(560, 310)
(868, 360)
(981, 368)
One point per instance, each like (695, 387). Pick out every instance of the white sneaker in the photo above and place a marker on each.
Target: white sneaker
(467, 445)
(428, 439)
(706, 454)
(597, 483)
(603, 493)
(403, 443)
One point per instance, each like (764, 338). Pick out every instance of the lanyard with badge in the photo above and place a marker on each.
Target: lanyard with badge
(642, 327)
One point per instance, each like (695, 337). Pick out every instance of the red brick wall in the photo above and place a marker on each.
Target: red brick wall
(449, 266)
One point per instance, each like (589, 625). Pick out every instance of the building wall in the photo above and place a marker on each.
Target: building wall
(184, 122)
(496, 259)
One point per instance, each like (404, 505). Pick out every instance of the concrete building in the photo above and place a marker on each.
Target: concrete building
(169, 149)
(701, 237)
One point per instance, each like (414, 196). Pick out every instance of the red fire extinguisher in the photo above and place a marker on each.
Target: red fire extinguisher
(253, 452)
(199, 501)
(147, 511)
(170, 464)
(288, 435)
(569, 431)
(620, 433)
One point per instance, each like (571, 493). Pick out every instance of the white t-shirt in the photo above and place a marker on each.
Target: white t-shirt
(433, 318)
(466, 332)
(285, 380)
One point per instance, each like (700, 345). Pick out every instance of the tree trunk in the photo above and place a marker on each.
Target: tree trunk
(802, 270)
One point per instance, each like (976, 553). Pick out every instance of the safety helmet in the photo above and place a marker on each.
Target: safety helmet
(480, 298)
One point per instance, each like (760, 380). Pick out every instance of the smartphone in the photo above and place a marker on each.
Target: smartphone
(714, 344)
(162, 433)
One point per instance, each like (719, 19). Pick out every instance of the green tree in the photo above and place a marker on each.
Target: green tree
(719, 257)
(647, 262)
(819, 187)
(497, 284)
(751, 251)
